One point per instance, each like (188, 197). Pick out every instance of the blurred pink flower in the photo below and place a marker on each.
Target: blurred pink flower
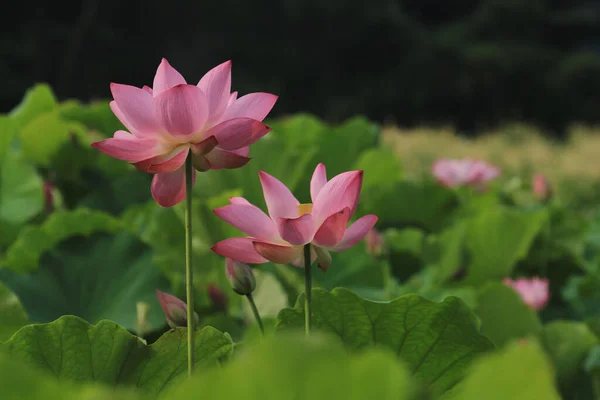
(217, 297)
(541, 187)
(167, 121)
(175, 310)
(48, 190)
(466, 172)
(534, 292)
(280, 236)
(374, 242)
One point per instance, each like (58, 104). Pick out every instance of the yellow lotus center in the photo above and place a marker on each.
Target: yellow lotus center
(304, 209)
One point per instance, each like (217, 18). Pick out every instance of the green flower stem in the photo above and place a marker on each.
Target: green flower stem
(547, 231)
(387, 278)
(596, 385)
(255, 312)
(189, 279)
(465, 196)
(307, 290)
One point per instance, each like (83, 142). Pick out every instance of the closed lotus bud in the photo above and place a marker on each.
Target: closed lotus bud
(48, 197)
(374, 243)
(142, 324)
(217, 297)
(459, 274)
(240, 276)
(175, 310)
(541, 188)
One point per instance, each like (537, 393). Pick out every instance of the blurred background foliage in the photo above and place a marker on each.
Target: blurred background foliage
(80, 235)
(469, 63)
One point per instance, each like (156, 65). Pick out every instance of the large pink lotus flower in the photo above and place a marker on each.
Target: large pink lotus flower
(280, 237)
(534, 292)
(467, 172)
(172, 118)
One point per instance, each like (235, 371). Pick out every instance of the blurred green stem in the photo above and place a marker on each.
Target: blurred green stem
(256, 314)
(465, 196)
(386, 271)
(189, 278)
(307, 290)
(547, 230)
(596, 386)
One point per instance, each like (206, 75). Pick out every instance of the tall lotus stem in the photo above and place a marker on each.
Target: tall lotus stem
(256, 314)
(189, 278)
(307, 290)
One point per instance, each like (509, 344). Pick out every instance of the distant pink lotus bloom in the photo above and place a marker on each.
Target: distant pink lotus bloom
(534, 292)
(467, 172)
(167, 121)
(541, 187)
(280, 236)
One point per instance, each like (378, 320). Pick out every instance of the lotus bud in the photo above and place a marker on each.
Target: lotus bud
(217, 297)
(240, 277)
(541, 188)
(374, 243)
(142, 324)
(175, 310)
(459, 274)
(48, 196)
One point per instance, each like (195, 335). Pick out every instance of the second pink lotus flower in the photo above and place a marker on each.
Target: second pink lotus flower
(172, 118)
(280, 236)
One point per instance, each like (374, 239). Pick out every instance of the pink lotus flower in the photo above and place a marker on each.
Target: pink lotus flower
(175, 310)
(475, 173)
(280, 236)
(172, 118)
(541, 187)
(534, 292)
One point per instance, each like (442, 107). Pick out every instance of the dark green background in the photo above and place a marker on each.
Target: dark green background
(473, 63)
